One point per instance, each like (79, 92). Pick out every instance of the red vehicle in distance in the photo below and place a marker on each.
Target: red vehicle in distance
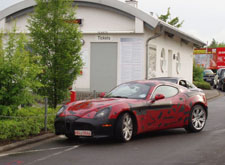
(210, 58)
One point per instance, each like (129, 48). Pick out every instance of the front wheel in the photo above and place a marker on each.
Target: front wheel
(214, 86)
(197, 119)
(124, 127)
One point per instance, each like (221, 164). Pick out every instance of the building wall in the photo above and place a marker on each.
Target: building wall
(101, 20)
(177, 47)
(100, 25)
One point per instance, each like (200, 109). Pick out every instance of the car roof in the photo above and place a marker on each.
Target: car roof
(155, 82)
(171, 79)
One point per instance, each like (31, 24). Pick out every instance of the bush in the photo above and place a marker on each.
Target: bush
(202, 84)
(197, 73)
(18, 73)
(26, 122)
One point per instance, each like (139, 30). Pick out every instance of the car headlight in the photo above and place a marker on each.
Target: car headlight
(61, 110)
(103, 113)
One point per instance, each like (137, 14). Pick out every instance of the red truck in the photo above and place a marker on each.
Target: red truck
(210, 58)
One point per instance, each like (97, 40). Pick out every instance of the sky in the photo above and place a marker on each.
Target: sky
(204, 19)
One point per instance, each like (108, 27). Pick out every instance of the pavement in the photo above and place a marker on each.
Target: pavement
(210, 94)
(213, 93)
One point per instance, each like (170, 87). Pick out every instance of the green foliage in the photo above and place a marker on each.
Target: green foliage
(198, 77)
(18, 73)
(58, 41)
(172, 21)
(26, 122)
(202, 84)
(197, 73)
(215, 44)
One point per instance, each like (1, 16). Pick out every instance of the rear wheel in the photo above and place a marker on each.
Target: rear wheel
(197, 119)
(124, 127)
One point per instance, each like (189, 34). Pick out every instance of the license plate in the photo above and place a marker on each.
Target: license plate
(82, 133)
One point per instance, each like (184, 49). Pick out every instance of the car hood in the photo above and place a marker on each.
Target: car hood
(88, 108)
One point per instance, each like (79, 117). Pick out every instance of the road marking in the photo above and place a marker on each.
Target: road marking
(52, 155)
(30, 151)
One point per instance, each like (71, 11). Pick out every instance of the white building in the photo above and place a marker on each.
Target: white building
(121, 43)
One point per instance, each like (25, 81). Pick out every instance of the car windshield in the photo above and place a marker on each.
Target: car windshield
(207, 72)
(131, 90)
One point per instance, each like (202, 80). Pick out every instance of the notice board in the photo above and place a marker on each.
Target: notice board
(131, 59)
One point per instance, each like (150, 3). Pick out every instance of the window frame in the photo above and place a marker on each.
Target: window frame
(152, 94)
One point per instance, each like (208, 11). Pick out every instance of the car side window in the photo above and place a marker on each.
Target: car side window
(222, 74)
(167, 91)
(183, 83)
(218, 72)
(189, 85)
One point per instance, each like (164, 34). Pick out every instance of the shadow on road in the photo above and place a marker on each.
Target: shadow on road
(113, 141)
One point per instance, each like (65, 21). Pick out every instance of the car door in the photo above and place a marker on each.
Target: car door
(216, 78)
(221, 75)
(165, 113)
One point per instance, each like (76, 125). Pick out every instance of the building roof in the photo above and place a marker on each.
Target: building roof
(27, 6)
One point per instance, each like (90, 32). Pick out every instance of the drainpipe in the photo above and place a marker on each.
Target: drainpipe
(149, 39)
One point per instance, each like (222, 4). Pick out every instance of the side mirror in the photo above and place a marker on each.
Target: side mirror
(101, 95)
(158, 97)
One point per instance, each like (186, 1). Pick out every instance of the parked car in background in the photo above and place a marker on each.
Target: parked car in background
(208, 76)
(219, 79)
(179, 81)
(133, 108)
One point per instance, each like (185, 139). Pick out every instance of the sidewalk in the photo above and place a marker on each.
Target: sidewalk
(210, 94)
(25, 142)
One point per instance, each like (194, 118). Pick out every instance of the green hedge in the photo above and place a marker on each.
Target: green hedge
(202, 84)
(25, 122)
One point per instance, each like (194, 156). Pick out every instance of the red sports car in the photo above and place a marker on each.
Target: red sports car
(133, 108)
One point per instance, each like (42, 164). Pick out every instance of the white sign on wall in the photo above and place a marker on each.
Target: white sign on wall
(131, 57)
(104, 38)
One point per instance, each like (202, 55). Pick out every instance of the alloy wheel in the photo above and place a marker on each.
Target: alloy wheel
(127, 127)
(198, 117)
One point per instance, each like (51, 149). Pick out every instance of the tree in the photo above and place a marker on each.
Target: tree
(18, 73)
(172, 21)
(215, 44)
(56, 38)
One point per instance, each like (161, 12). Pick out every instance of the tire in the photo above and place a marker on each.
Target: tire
(217, 86)
(71, 136)
(223, 87)
(124, 128)
(197, 119)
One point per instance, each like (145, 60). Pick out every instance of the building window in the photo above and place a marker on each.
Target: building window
(163, 61)
(178, 64)
(152, 53)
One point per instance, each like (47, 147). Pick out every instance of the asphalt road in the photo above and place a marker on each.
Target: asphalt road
(170, 147)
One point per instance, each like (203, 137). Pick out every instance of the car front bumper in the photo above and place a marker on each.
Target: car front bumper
(98, 127)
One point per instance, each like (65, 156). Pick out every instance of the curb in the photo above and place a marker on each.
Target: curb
(26, 142)
(213, 95)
